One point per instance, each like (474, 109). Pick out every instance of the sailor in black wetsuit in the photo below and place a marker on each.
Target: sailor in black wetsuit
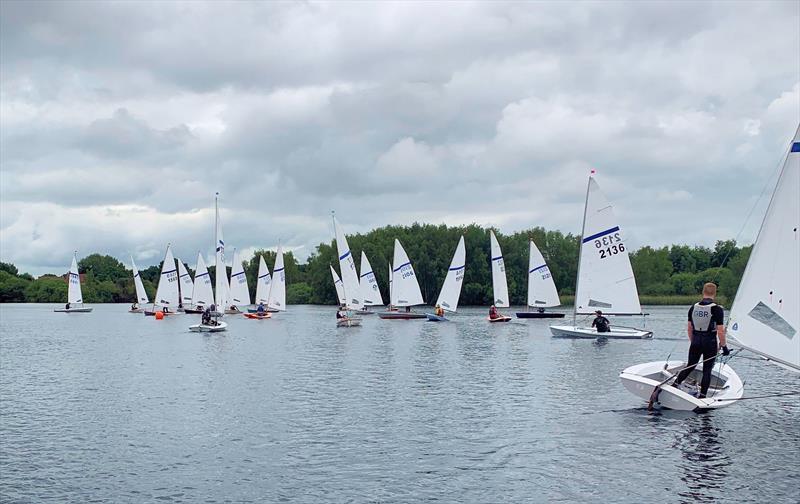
(601, 323)
(706, 324)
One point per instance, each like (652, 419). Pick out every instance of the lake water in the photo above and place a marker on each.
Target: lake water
(117, 407)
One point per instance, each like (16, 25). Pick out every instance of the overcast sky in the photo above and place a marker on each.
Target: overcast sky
(119, 121)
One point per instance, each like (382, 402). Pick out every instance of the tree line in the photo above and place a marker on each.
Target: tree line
(673, 273)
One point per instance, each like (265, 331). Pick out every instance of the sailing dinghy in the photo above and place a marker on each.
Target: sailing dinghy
(605, 277)
(499, 284)
(542, 291)
(263, 284)
(276, 301)
(74, 296)
(370, 292)
(765, 316)
(141, 294)
(405, 290)
(451, 288)
(239, 292)
(202, 292)
(350, 283)
(167, 296)
(221, 283)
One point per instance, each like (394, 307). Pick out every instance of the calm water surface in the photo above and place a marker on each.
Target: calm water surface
(117, 407)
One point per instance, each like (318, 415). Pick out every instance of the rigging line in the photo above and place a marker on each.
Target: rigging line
(783, 394)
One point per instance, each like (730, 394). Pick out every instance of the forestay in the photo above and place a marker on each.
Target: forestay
(451, 289)
(167, 291)
(405, 288)
(74, 295)
(370, 292)
(542, 291)
(263, 282)
(202, 293)
(499, 285)
(239, 292)
(765, 315)
(337, 283)
(185, 283)
(277, 291)
(141, 294)
(605, 276)
(347, 266)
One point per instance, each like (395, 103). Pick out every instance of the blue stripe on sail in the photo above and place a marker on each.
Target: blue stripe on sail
(136, 275)
(344, 255)
(458, 267)
(403, 266)
(201, 275)
(538, 268)
(73, 274)
(187, 274)
(496, 258)
(238, 274)
(168, 272)
(602, 233)
(365, 274)
(263, 276)
(277, 270)
(337, 281)
(796, 147)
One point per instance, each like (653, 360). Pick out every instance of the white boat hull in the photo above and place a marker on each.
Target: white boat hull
(641, 379)
(73, 310)
(219, 327)
(564, 331)
(348, 322)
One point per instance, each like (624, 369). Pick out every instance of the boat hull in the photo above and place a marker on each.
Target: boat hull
(219, 327)
(137, 310)
(641, 379)
(149, 313)
(364, 312)
(501, 318)
(400, 315)
(436, 318)
(256, 316)
(538, 315)
(564, 331)
(348, 322)
(194, 311)
(73, 310)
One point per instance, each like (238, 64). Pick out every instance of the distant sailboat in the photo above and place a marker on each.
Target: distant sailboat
(141, 294)
(277, 292)
(202, 292)
(605, 277)
(499, 284)
(337, 283)
(765, 316)
(370, 292)
(350, 284)
(542, 291)
(405, 290)
(220, 280)
(451, 289)
(239, 291)
(74, 295)
(167, 297)
(185, 286)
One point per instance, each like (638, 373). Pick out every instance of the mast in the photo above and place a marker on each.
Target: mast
(580, 252)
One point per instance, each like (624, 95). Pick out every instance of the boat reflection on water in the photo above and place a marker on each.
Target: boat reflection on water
(705, 462)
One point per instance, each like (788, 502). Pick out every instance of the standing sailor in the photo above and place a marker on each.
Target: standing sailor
(706, 324)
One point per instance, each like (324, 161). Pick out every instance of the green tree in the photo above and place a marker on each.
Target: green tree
(12, 287)
(9, 268)
(47, 289)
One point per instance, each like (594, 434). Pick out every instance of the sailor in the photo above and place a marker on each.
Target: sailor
(493, 312)
(340, 313)
(706, 324)
(439, 311)
(206, 316)
(260, 309)
(601, 323)
(66, 306)
(135, 306)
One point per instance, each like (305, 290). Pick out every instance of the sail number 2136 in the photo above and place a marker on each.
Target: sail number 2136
(609, 245)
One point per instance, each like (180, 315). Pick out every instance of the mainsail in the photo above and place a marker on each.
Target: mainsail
(765, 316)
(141, 294)
(202, 293)
(370, 292)
(277, 292)
(337, 282)
(542, 291)
(405, 288)
(167, 291)
(605, 276)
(347, 266)
(239, 292)
(185, 284)
(451, 289)
(74, 295)
(499, 285)
(263, 282)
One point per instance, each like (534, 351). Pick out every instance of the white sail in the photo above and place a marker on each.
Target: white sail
(347, 266)
(221, 273)
(185, 284)
(542, 291)
(451, 289)
(370, 292)
(765, 316)
(277, 293)
(391, 281)
(74, 295)
(202, 293)
(263, 282)
(405, 288)
(499, 284)
(167, 291)
(605, 276)
(337, 282)
(141, 294)
(239, 292)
